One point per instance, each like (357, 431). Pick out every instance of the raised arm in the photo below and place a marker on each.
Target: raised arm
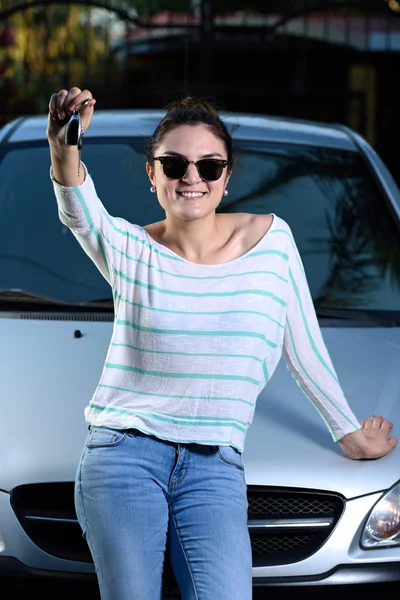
(65, 159)
(79, 207)
(310, 364)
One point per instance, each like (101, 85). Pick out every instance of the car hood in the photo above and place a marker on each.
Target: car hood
(288, 443)
(49, 376)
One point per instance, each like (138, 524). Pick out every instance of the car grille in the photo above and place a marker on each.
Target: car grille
(288, 525)
(285, 525)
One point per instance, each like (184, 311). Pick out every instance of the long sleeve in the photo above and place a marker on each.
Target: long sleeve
(80, 209)
(306, 355)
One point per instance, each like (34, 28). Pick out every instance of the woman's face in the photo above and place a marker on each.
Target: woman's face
(189, 198)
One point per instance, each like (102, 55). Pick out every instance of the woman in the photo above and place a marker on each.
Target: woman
(204, 303)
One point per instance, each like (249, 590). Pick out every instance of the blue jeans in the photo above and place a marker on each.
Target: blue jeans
(131, 488)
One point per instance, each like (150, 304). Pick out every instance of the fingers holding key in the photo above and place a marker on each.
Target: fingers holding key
(76, 98)
(62, 105)
(85, 105)
(56, 104)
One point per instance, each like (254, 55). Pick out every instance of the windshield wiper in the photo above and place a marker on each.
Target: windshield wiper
(377, 318)
(18, 296)
(107, 300)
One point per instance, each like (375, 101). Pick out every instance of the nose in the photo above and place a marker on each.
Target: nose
(192, 175)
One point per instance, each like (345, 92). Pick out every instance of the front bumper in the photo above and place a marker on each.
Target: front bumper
(22, 561)
(344, 578)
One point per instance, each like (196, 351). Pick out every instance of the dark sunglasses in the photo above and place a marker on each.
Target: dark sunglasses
(209, 169)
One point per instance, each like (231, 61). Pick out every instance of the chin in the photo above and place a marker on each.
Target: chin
(191, 217)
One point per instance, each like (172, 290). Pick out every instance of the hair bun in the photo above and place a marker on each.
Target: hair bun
(190, 111)
(192, 103)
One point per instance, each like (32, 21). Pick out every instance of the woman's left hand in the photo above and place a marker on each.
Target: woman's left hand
(371, 441)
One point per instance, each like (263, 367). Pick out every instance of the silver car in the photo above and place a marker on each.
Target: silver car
(315, 517)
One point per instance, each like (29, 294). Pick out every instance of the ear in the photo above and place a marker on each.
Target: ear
(150, 173)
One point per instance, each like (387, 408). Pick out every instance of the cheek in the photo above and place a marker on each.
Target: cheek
(169, 189)
(217, 188)
(166, 194)
(165, 187)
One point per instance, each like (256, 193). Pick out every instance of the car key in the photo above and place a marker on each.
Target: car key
(74, 131)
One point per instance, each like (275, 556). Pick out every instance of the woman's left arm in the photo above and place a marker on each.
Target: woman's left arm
(308, 360)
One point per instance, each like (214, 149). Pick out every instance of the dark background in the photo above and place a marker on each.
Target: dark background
(310, 59)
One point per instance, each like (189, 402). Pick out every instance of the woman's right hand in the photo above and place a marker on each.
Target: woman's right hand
(61, 107)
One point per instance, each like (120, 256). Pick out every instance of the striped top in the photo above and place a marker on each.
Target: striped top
(193, 345)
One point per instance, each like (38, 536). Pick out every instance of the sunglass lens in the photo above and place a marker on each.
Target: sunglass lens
(174, 168)
(210, 170)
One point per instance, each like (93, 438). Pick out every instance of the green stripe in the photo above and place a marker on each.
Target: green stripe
(170, 439)
(197, 332)
(203, 418)
(169, 419)
(91, 225)
(145, 263)
(265, 370)
(262, 252)
(324, 417)
(310, 338)
(207, 354)
(293, 246)
(138, 239)
(181, 312)
(178, 396)
(182, 375)
(155, 288)
(315, 384)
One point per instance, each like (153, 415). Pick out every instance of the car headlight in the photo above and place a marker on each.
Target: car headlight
(383, 526)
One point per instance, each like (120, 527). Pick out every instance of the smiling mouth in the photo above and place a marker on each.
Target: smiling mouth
(191, 194)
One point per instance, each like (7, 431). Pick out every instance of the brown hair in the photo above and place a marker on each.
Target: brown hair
(190, 111)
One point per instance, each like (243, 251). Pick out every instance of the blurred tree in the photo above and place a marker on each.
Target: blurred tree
(47, 47)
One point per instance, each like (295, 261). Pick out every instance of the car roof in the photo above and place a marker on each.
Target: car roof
(136, 122)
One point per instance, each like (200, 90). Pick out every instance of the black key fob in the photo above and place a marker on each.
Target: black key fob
(73, 133)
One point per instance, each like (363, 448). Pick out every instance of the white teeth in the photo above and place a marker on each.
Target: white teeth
(191, 194)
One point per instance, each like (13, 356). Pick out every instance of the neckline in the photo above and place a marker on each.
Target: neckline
(212, 265)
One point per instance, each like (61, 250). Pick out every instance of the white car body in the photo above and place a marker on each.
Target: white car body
(299, 481)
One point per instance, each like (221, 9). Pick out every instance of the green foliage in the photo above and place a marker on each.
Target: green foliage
(55, 46)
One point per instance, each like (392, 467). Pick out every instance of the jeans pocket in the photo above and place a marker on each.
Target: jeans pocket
(231, 456)
(105, 437)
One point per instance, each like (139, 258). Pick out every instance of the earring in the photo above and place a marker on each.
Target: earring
(226, 192)
(152, 189)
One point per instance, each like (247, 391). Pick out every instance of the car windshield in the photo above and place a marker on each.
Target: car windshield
(341, 220)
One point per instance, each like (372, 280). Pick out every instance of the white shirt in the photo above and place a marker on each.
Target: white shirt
(193, 345)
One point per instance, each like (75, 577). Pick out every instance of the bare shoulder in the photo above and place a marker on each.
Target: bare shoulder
(262, 222)
(253, 227)
(155, 230)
